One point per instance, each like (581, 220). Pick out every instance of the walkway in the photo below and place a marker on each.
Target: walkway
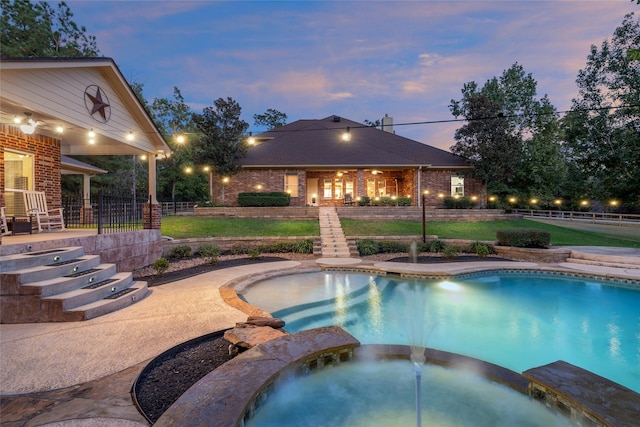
(334, 243)
(81, 373)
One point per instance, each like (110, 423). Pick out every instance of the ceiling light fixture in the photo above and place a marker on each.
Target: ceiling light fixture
(29, 128)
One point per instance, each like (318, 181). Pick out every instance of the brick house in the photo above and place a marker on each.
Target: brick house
(54, 108)
(320, 162)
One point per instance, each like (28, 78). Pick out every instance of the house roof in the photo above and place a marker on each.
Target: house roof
(319, 143)
(71, 166)
(57, 92)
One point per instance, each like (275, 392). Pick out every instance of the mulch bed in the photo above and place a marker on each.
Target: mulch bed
(156, 280)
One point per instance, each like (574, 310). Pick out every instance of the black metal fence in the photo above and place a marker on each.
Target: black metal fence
(108, 213)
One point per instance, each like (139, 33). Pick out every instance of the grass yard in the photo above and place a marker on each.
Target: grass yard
(484, 230)
(184, 227)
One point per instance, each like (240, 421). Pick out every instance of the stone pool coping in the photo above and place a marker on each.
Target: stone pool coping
(581, 405)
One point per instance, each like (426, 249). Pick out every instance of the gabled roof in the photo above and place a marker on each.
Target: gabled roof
(319, 143)
(54, 91)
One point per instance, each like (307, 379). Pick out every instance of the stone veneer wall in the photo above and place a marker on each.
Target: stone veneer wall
(128, 250)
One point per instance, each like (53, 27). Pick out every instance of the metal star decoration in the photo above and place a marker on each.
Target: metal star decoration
(100, 103)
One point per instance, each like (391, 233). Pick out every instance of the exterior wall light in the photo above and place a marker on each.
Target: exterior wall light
(251, 140)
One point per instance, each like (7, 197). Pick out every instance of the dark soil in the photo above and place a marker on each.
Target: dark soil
(156, 280)
(168, 377)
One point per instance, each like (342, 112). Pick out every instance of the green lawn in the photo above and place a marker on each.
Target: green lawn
(182, 227)
(484, 230)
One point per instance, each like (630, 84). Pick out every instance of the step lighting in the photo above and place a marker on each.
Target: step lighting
(113, 289)
(91, 279)
(75, 269)
(56, 258)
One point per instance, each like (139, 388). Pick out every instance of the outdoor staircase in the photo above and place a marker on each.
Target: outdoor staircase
(617, 261)
(333, 243)
(63, 285)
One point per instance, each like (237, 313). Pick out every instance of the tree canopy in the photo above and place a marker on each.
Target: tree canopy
(38, 30)
(221, 144)
(603, 130)
(271, 119)
(510, 136)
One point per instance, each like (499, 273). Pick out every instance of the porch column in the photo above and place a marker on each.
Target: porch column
(152, 177)
(86, 212)
(360, 191)
(152, 211)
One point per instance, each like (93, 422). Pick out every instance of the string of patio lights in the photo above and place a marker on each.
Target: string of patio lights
(181, 137)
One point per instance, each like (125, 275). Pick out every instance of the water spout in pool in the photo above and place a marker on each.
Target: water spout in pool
(413, 252)
(419, 327)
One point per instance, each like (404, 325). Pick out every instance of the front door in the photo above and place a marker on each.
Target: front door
(312, 191)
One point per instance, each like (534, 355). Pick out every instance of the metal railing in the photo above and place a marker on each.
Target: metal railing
(175, 208)
(109, 213)
(591, 217)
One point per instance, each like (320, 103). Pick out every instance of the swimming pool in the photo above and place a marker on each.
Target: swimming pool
(516, 320)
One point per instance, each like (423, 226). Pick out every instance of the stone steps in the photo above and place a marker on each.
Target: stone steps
(333, 243)
(617, 261)
(63, 285)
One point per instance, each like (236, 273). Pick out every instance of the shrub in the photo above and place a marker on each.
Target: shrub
(480, 249)
(449, 252)
(457, 203)
(261, 199)
(391, 201)
(367, 247)
(181, 251)
(239, 249)
(523, 238)
(254, 253)
(304, 247)
(210, 252)
(364, 201)
(392, 246)
(160, 266)
(436, 246)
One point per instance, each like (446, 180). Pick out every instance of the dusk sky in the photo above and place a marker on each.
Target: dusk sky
(356, 59)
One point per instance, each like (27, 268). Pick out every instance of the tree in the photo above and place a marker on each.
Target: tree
(602, 131)
(271, 119)
(178, 174)
(222, 142)
(38, 30)
(511, 137)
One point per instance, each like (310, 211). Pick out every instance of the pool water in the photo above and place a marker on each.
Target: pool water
(516, 320)
(386, 397)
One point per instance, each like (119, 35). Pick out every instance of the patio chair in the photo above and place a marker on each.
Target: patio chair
(348, 200)
(4, 228)
(35, 203)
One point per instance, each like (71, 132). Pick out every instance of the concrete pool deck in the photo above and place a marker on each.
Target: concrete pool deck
(81, 373)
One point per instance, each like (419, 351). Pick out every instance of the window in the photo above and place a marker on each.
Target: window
(457, 186)
(18, 175)
(328, 194)
(371, 187)
(291, 184)
(382, 188)
(338, 188)
(349, 187)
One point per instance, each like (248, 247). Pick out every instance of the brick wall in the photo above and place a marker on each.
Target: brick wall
(46, 155)
(434, 180)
